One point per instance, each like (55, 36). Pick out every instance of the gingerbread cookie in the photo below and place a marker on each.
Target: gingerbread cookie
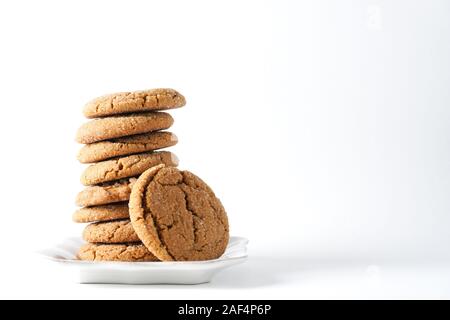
(115, 252)
(105, 212)
(105, 193)
(177, 216)
(103, 150)
(110, 232)
(126, 102)
(121, 126)
(129, 166)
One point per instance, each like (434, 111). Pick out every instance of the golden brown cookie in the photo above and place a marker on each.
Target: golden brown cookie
(129, 166)
(126, 102)
(121, 126)
(105, 212)
(115, 252)
(105, 193)
(110, 232)
(103, 150)
(177, 216)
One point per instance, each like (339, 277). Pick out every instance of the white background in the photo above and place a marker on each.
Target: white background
(323, 126)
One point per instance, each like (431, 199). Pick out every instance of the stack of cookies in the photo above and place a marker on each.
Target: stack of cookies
(122, 141)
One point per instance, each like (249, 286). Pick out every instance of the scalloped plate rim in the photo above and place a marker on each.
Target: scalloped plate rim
(239, 244)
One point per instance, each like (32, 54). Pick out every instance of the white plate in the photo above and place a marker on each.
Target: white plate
(182, 272)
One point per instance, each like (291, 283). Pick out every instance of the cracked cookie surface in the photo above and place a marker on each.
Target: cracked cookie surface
(177, 216)
(103, 150)
(129, 166)
(105, 193)
(110, 232)
(121, 126)
(105, 212)
(138, 101)
(115, 252)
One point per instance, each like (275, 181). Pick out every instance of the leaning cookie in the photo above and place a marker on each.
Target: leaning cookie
(121, 126)
(107, 212)
(177, 216)
(110, 232)
(115, 252)
(103, 150)
(105, 193)
(129, 166)
(138, 101)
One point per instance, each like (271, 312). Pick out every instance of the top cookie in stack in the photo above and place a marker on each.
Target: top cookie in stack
(120, 143)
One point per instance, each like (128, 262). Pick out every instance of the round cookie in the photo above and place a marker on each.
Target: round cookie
(129, 166)
(105, 212)
(110, 232)
(177, 216)
(121, 126)
(105, 193)
(115, 252)
(103, 150)
(138, 101)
